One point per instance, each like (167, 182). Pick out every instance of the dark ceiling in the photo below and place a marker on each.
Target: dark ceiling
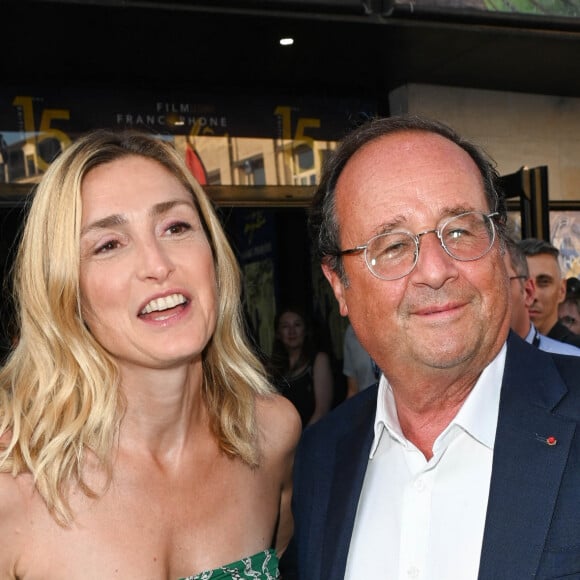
(347, 48)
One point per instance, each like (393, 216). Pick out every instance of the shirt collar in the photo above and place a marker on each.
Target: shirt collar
(477, 416)
(534, 337)
(531, 334)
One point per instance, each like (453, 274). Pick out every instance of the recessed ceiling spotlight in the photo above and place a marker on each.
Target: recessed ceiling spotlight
(286, 41)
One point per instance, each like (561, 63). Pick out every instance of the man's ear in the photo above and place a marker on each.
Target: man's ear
(529, 292)
(562, 291)
(337, 287)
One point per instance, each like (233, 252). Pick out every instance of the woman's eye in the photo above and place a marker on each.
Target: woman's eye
(107, 247)
(179, 228)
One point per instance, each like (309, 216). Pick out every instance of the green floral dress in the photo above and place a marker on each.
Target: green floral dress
(261, 566)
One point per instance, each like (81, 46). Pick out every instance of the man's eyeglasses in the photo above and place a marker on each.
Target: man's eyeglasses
(465, 237)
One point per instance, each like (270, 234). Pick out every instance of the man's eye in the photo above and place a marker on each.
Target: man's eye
(395, 249)
(457, 233)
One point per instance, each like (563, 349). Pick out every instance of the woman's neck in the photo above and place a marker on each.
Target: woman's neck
(296, 360)
(161, 405)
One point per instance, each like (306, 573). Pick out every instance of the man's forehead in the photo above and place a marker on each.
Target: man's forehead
(544, 265)
(389, 179)
(405, 157)
(413, 142)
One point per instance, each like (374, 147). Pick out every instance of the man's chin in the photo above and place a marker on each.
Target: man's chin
(446, 355)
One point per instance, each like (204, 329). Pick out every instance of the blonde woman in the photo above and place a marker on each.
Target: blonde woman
(140, 437)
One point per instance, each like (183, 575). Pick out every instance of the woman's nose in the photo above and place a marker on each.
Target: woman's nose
(154, 261)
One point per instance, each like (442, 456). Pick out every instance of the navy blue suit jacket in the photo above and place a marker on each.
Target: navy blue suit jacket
(532, 528)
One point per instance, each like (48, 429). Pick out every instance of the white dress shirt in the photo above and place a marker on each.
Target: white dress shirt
(424, 520)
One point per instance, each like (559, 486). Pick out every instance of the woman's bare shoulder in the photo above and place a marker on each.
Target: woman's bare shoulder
(15, 496)
(13, 489)
(16, 493)
(322, 358)
(279, 422)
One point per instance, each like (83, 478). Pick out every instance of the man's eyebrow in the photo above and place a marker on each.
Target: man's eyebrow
(400, 220)
(118, 219)
(392, 224)
(455, 210)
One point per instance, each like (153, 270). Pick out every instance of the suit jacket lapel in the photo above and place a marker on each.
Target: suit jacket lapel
(527, 469)
(351, 458)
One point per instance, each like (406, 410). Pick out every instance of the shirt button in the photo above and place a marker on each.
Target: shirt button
(413, 572)
(420, 484)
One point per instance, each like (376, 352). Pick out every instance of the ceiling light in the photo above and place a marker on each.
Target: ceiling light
(286, 41)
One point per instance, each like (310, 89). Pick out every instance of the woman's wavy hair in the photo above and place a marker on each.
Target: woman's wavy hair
(322, 221)
(60, 395)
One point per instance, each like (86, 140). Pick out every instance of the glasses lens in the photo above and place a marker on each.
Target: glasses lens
(391, 256)
(468, 236)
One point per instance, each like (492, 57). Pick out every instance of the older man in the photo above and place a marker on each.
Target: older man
(464, 462)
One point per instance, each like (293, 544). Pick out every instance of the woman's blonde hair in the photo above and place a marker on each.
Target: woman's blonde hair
(59, 389)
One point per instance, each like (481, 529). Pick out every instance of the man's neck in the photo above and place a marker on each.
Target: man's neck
(547, 325)
(423, 414)
(523, 328)
(422, 429)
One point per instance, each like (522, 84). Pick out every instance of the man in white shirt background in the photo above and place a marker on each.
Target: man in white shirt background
(357, 366)
(544, 268)
(522, 293)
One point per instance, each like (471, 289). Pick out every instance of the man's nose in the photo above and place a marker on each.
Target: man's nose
(434, 265)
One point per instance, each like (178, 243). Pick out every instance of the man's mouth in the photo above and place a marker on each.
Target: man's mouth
(438, 309)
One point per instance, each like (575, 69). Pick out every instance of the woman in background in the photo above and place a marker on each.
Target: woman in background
(301, 372)
(139, 436)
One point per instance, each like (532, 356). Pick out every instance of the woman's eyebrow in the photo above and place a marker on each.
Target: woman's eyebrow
(109, 221)
(118, 219)
(165, 206)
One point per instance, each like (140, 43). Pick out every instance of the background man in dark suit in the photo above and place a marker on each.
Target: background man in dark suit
(522, 296)
(464, 461)
(550, 292)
